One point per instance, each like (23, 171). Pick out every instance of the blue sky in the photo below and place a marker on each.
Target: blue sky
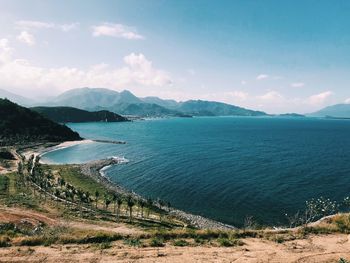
(276, 56)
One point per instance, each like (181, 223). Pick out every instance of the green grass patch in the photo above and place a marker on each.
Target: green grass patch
(4, 184)
(157, 242)
(133, 242)
(73, 176)
(181, 243)
(225, 242)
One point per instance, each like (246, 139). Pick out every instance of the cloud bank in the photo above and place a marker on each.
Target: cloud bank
(22, 75)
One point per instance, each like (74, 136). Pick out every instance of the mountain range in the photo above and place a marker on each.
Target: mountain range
(126, 103)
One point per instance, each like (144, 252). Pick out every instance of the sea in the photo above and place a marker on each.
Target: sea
(224, 168)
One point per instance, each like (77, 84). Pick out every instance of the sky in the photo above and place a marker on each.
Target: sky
(271, 55)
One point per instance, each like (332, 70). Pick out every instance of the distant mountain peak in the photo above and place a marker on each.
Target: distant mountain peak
(5, 94)
(338, 110)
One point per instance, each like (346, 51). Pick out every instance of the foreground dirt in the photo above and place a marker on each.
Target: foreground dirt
(319, 249)
(18, 215)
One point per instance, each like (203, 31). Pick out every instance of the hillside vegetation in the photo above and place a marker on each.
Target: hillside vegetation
(70, 114)
(19, 124)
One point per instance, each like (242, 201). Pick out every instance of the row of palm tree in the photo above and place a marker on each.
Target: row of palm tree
(31, 172)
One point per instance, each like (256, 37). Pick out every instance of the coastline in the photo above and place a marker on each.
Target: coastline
(41, 149)
(96, 170)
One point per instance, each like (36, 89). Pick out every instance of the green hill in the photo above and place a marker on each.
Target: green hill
(20, 125)
(212, 108)
(337, 111)
(70, 114)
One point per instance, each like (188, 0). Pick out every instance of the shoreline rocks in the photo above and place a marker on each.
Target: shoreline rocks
(93, 170)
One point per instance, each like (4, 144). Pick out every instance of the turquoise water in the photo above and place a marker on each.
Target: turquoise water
(225, 168)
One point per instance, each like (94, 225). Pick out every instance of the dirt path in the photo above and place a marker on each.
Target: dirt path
(16, 215)
(318, 249)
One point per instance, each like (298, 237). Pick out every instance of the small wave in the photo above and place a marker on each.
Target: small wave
(120, 159)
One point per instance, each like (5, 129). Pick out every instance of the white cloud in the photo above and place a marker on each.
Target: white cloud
(116, 30)
(297, 84)
(20, 74)
(5, 51)
(321, 98)
(143, 72)
(243, 82)
(26, 38)
(347, 101)
(31, 24)
(271, 96)
(262, 77)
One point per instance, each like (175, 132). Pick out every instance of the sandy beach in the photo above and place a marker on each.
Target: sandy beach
(43, 149)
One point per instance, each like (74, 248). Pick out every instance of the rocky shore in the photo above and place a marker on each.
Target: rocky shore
(94, 170)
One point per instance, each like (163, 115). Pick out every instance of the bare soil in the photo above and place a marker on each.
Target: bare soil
(328, 248)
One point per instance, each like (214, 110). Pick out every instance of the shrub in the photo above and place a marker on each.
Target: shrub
(343, 223)
(5, 242)
(99, 238)
(199, 240)
(225, 242)
(279, 239)
(181, 243)
(33, 241)
(133, 242)
(157, 242)
(105, 245)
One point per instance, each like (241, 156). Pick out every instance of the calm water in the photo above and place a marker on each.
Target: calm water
(225, 168)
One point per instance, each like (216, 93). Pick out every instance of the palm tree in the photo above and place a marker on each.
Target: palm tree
(130, 202)
(142, 204)
(149, 204)
(30, 163)
(114, 199)
(87, 197)
(81, 196)
(61, 182)
(107, 201)
(119, 204)
(97, 195)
